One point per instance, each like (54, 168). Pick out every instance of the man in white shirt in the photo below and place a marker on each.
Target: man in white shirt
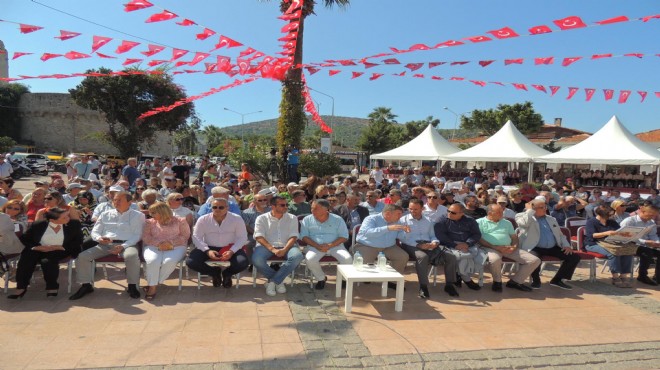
(377, 174)
(649, 244)
(5, 168)
(433, 210)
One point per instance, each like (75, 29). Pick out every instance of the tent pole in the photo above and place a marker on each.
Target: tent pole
(530, 172)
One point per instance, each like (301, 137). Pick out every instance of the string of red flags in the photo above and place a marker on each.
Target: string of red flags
(310, 107)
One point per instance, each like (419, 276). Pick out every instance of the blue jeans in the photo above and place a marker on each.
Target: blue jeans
(618, 264)
(260, 258)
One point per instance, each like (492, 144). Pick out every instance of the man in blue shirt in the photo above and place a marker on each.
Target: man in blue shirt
(541, 235)
(378, 233)
(372, 204)
(130, 173)
(649, 243)
(292, 163)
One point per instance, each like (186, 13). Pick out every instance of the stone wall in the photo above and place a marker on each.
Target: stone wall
(54, 122)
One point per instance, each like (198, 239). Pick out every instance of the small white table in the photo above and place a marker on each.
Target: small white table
(369, 273)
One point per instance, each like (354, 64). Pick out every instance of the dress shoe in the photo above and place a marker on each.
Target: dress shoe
(17, 296)
(83, 291)
(459, 281)
(472, 285)
(424, 292)
(451, 290)
(646, 280)
(536, 284)
(320, 285)
(51, 294)
(217, 277)
(133, 291)
(497, 287)
(226, 279)
(521, 287)
(560, 284)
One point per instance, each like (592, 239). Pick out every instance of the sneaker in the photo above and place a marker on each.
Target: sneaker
(561, 284)
(536, 284)
(280, 288)
(270, 289)
(497, 287)
(424, 292)
(646, 280)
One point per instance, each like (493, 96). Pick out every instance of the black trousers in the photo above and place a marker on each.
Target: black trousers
(646, 255)
(567, 267)
(423, 258)
(197, 261)
(50, 265)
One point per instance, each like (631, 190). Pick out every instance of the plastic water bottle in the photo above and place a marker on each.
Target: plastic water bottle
(358, 261)
(382, 261)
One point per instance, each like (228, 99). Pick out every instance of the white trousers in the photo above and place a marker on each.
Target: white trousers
(161, 264)
(313, 256)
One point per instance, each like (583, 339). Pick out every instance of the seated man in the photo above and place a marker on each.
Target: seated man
(261, 206)
(372, 204)
(434, 210)
(213, 232)
(473, 208)
(276, 233)
(649, 244)
(299, 205)
(378, 233)
(216, 193)
(540, 234)
(422, 245)
(461, 234)
(499, 239)
(117, 231)
(324, 233)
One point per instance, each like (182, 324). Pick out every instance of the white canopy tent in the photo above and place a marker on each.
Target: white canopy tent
(427, 146)
(506, 145)
(612, 144)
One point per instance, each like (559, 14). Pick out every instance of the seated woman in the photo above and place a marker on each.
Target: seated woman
(164, 237)
(16, 209)
(619, 207)
(598, 229)
(149, 197)
(35, 203)
(47, 242)
(85, 205)
(54, 199)
(175, 202)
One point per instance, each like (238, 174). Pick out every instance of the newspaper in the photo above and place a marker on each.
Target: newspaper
(629, 234)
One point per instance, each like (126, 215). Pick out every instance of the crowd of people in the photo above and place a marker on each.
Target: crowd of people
(153, 211)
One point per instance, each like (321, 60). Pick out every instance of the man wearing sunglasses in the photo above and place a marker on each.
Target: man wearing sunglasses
(261, 206)
(433, 209)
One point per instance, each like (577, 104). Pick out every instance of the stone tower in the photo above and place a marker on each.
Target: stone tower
(4, 61)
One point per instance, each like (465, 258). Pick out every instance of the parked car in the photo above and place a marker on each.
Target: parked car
(31, 158)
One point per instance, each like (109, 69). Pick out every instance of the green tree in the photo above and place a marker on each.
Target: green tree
(10, 121)
(380, 135)
(523, 116)
(412, 129)
(214, 136)
(6, 143)
(319, 164)
(185, 138)
(292, 120)
(256, 157)
(123, 99)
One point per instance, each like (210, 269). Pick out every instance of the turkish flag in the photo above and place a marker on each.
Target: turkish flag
(538, 30)
(478, 38)
(643, 95)
(205, 34)
(458, 63)
(312, 70)
(375, 76)
(480, 83)
(153, 49)
(47, 56)
(18, 54)
(295, 15)
(519, 86)
(165, 15)
(246, 52)
(369, 65)
(292, 26)
(609, 93)
(357, 74)
(448, 44)
(399, 74)
(554, 89)
(26, 28)
(540, 88)
(568, 61)
(181, 63)
(569, 23)
(589, 93)
(419, 47)
(99, 41)
(623, 96)
(456, 78)
(649, 17)
(497, 83)
(155, 62)
(346, 62)
(186, 22)
(75, 55)
(437, 78)
(546, 61)
(198, 58)
(513, 61)
(333, 72)
(137, 5)
(638, 55)
(571, 92)
(397, 50)
(598, 56)
(504, 33)
(485, 63)
(226, 41)
(418, 75)
(414, 66)
(105, 56)
(178, 53)
(657, 94)
(65, 35)
(621, 18)
(435, 64)
(131, 61)
(126, 46)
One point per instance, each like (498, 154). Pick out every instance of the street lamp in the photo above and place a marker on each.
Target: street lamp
(242, 122)
(453, 133)
(332, 117)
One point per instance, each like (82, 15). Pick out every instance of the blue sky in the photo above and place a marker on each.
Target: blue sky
(368, 27)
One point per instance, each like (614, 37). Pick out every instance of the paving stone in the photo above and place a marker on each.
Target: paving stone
(401, 359)
(347, 362)
(372, 361)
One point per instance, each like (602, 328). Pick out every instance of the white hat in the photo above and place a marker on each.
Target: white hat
(541, 198)
(74, 185)
(291, 184)
(266, 191)
(116, 188)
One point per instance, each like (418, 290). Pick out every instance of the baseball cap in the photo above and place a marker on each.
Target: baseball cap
(502, 199)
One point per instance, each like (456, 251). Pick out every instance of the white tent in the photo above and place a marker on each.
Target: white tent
(427, 146)
(612, 144)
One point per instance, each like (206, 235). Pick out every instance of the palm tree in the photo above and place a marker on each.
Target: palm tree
(213, 135)
(292, 120)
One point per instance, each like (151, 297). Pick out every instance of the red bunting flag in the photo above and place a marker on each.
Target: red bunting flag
(75, 55)
(458, 63)
(399, 51)
(478, 38)
(18, 54)
(621, 18)
(479, 83)
(99, 41)
(638, 55)
(375, 76)
(165, 15)
(226, 41)
(571, 92)
(27, 28)
(435, 64)
(288, 17)
(609, 93)
(137, 5)
(418, 75)
(178, 53)
(513, 61)
(47, 56)
(246, 52)
(448, 44)
(419, 47)
(569, 23)
(657, 94)
(519, 86)
(399, 74)
(333, 72)
(186, 22)
(504, 33)
(546, 61)
(456, 79)
(540, 88)
(126, 46)
(312, 70)
(649, 17)
(538, 30)
(131, 61)
(65, 35)
(485, 63)
(623, 96)
(292, 26)
(181, 63)
(205, 34)
(199, 56)
(346, 62)
(357, 74)
(553, 90)
(437, 78)
(105, 56)
(414, 66)
(589, 93)
(599, 56)
(155, 62)
(153, 50)
(368, 65)
(568, 61)
(643, 95)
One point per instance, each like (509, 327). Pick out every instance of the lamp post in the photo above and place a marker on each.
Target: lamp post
(453, 133)
(332, 114)
(242, 122)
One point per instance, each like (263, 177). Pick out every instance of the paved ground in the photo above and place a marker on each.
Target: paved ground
(594, 326)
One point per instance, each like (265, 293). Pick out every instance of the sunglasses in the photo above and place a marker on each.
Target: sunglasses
(48, 198)
(139, 188)
(452, 212)
(281, 205)
(432, 197)
(219, 207)
(13, 208)
(262, 200)
(169, 179)
(178, 199)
